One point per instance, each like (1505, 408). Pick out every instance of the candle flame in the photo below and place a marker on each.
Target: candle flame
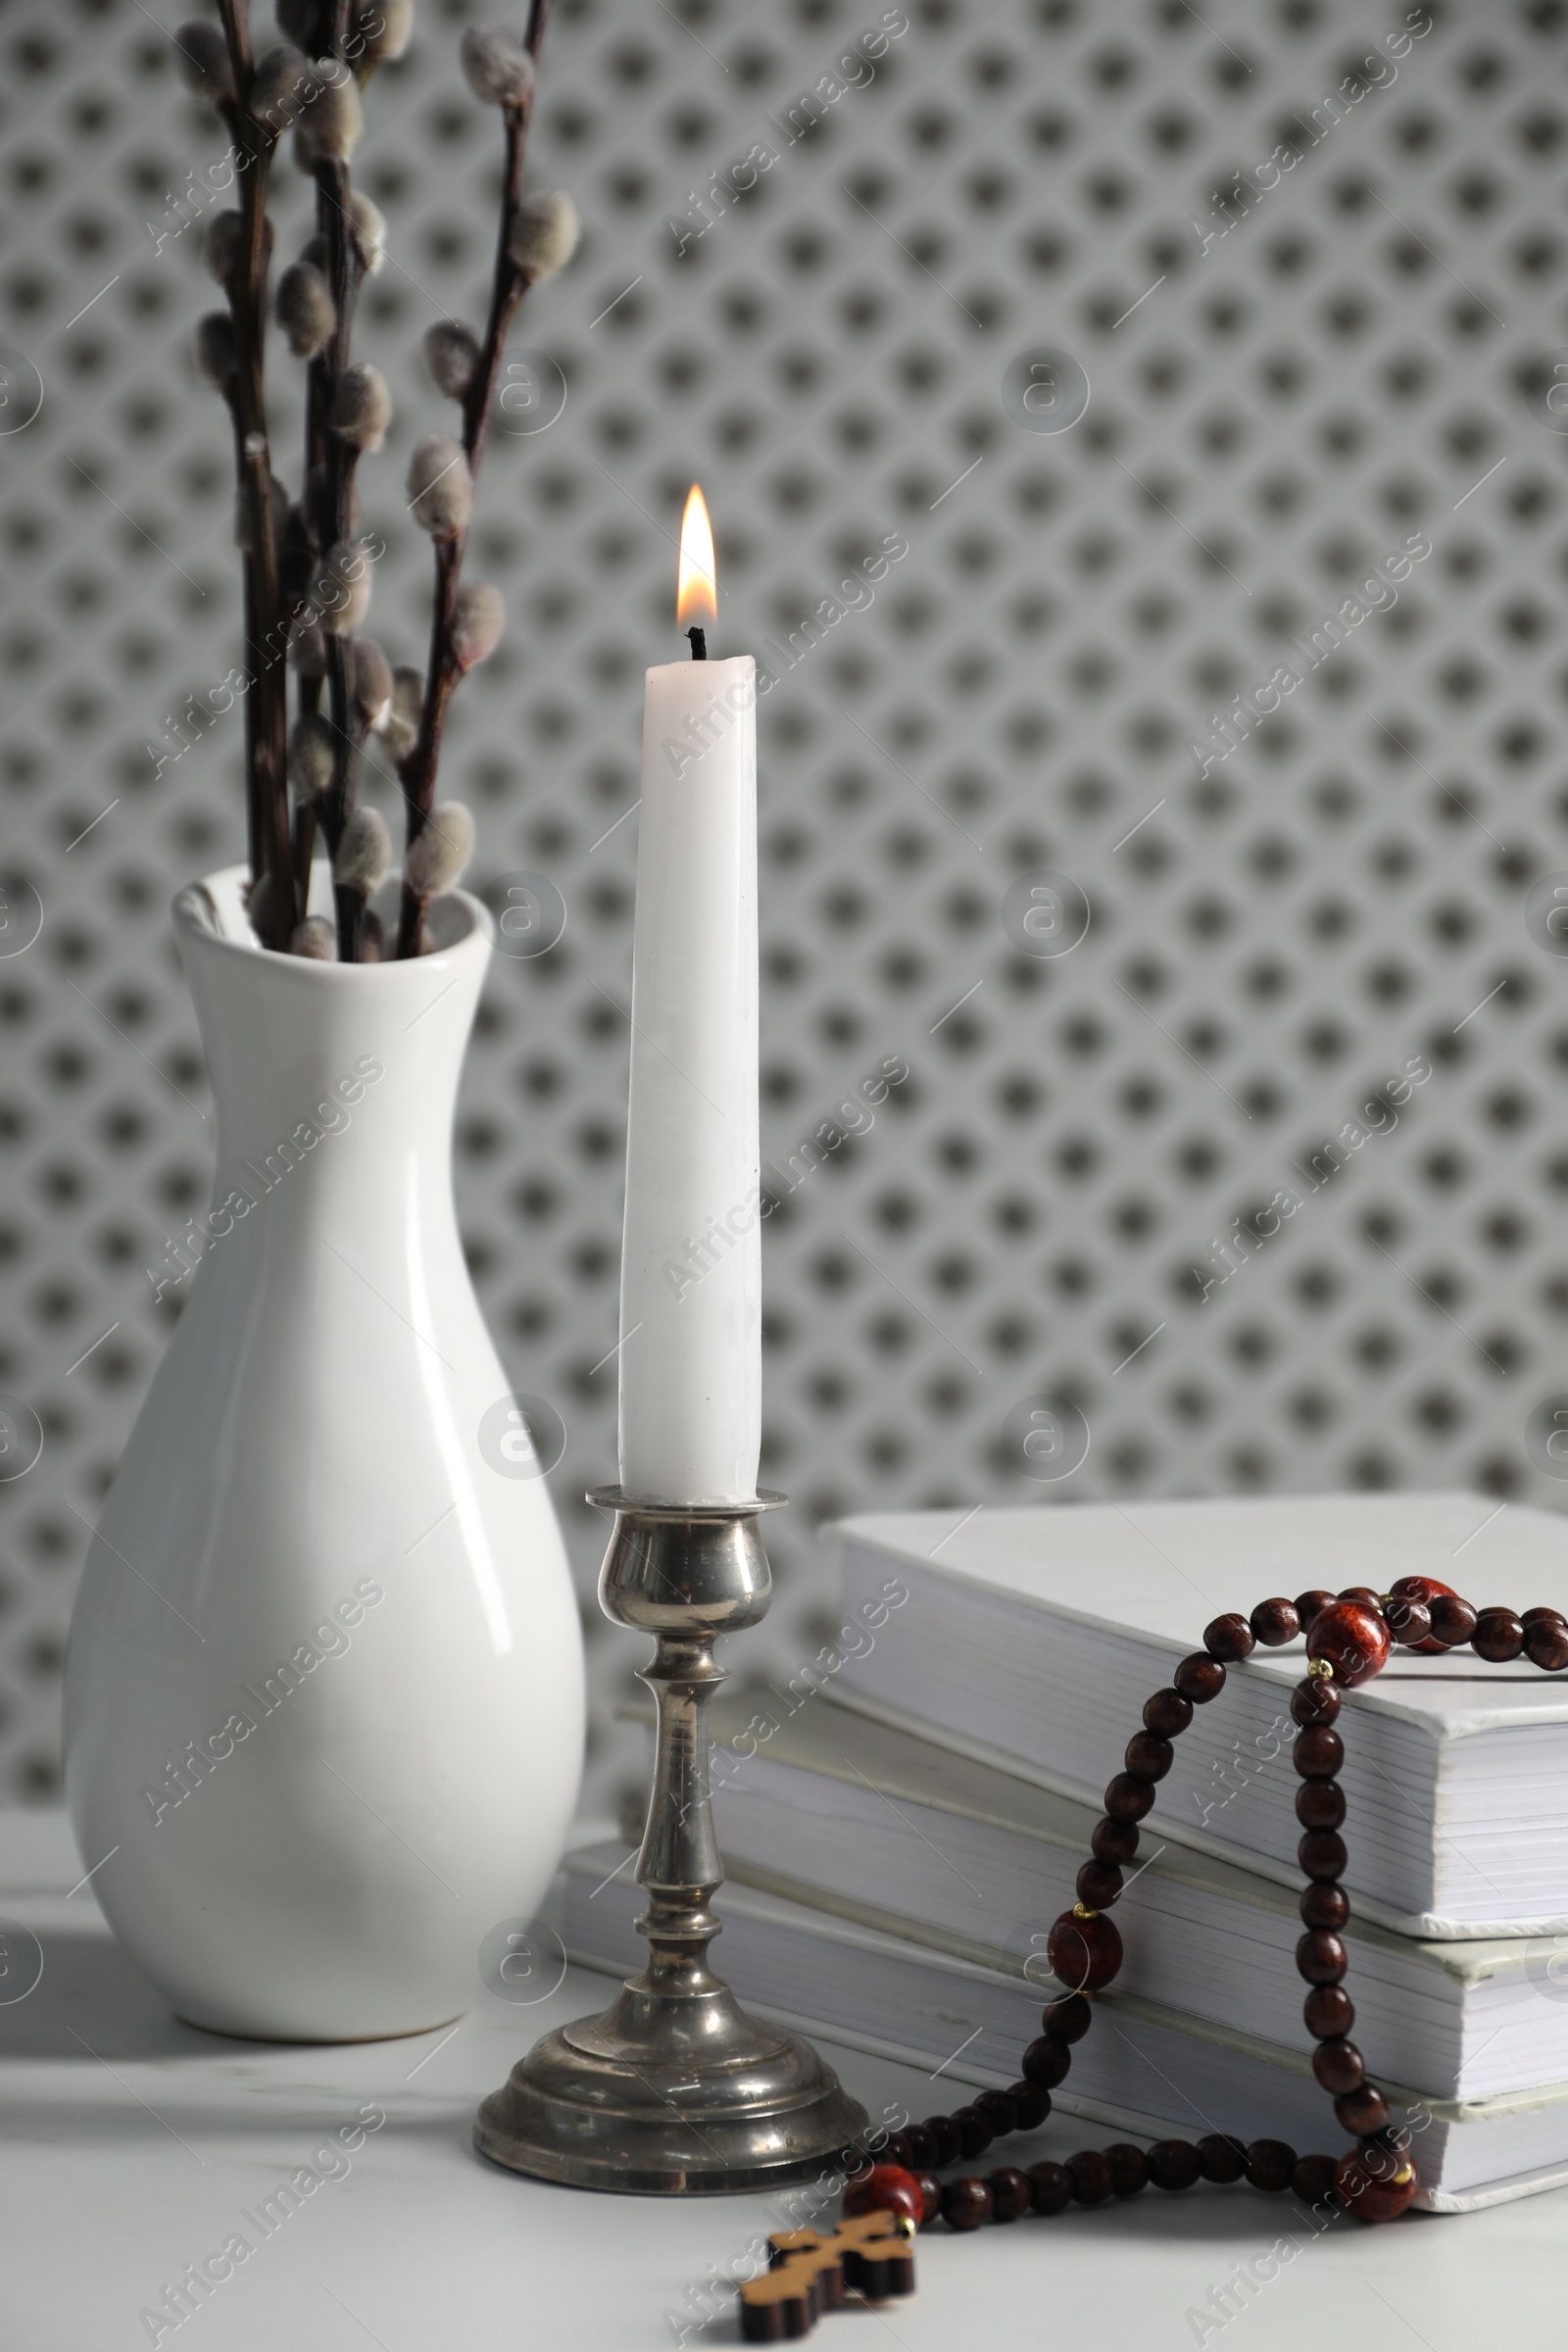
(697, 589)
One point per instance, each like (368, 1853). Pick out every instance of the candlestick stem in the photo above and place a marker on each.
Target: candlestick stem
(675, 2090)
(679, 1864)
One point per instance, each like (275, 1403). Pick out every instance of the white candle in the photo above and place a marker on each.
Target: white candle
(691, 1266)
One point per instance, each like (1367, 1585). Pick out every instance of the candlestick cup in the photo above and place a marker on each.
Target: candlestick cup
(675, 2090)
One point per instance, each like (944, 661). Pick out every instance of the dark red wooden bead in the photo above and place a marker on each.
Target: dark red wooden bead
(1098, 1884)
(1113, 1840)
(1270, 2164)
(1092, 2180)
(1129, 2168)
(1067, 2019)
(1542, 1616)
(1229, 1638)
(931, 2190)
(1312, 1604)
(1318, 1755)
(1411, 1624)
(1362, 2111)
(1328, 2010)
(1200, 1677)
(1324, 1905)
(1352, 1637)
(1174, 2164)
(966, 2203)
(975, 2131)
(1374, 2186)
(1546, 1644)
(1127, 1800)
(1222, 2158)
(1321, 1958)
(1046, 2061)
(1010, 2192)
(885, 2188)
(1313, 2179)
(1498, 1635)
(1274, 1623)
(1323, 1854)
(1168, 1713)
(1002, 2109)
(1084, 1954)
(1148, 1756)
(1033, 2103)
(1314, 1700)
(1338, 2066)
(1320, 1805)
(1049, 2186)
(895, 2149)
(1426, 1589)
(1363, 1594)
(945, 2133)
(921, 2145)
(1453, 1621)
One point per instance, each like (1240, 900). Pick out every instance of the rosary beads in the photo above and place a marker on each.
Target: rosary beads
(1348, 1638)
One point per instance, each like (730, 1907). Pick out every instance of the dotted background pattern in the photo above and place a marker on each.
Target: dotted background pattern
(1358, 358)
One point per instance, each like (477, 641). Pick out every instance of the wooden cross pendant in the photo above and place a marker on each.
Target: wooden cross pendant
(871, 2254)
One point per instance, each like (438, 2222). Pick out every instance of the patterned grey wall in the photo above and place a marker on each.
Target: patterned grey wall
(1310, 265)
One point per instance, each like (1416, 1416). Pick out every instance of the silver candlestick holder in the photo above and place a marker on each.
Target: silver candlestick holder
(675, 2090)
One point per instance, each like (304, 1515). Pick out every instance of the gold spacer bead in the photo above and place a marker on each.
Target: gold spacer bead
(1081, 1911)
(1406, 2172)
(1321, 1667)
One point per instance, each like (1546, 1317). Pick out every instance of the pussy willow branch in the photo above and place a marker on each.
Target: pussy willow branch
(345, 274)
(510, 284)
(267, 703)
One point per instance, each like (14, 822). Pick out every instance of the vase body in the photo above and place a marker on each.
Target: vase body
(324, 1687)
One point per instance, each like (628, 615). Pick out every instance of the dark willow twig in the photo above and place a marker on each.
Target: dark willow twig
(510, 282)
(338, 458)
(265, 705)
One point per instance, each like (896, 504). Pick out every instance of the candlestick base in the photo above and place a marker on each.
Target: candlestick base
(675, 2091)
(670, 2097)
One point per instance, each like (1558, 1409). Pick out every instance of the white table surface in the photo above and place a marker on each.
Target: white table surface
(129, 2144)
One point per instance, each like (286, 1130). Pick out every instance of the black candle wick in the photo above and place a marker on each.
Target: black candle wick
(699, 644)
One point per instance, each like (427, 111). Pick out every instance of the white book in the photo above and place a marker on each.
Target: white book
(1141, 2069)
(1031, 1639)
(884, 1828)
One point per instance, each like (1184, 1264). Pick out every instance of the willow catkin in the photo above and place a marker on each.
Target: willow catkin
(364, 851)
(216, 358)
(341, 590)
(305, 309)
(543, 237)
(361, 407)
(307, 646)
(311, 756)
(330, 121)
(316, 939)
(440, 486)
(498, 68)
(279, 85)
(400, 727)
(372, 678)
(434, 860)
(479, 615)
(204, 62)
(367, 228)
(223, 245)
(383, 29)
(452, 355)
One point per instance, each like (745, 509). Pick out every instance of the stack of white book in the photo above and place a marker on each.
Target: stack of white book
(903, 1819)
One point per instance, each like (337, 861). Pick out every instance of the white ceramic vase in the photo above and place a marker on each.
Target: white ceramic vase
(324, 1688)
